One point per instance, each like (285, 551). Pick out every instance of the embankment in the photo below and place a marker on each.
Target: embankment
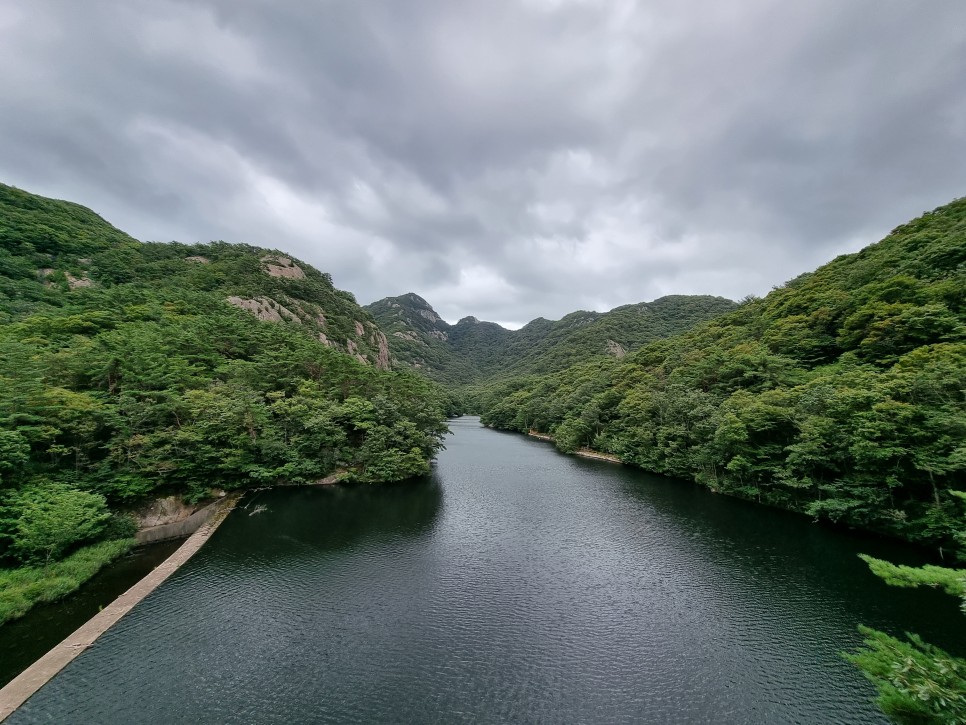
(21, 688)
(582, 452)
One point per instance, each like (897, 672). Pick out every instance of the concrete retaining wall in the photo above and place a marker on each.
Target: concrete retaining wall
(178, 529)
(21, 688)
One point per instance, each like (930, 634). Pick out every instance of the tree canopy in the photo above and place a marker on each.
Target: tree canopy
(838, 395)
(133, 370)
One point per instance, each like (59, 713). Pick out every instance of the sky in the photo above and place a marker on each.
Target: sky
(507, 159)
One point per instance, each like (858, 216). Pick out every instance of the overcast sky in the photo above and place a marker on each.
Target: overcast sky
(506, 159)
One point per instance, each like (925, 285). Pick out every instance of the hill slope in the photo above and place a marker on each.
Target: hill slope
(133, 369)
(50, 248)
(472, 351)
(839, 395)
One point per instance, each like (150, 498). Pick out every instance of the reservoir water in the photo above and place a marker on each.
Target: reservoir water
(513, 585)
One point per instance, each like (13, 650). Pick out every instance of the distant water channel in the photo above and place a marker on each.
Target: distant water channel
(515, 584)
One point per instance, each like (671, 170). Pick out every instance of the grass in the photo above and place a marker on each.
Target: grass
(21, 589)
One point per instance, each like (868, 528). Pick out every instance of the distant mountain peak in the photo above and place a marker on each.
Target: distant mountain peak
(473, 349)
(413, 298)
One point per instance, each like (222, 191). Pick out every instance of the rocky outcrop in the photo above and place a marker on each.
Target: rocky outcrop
(78, 282)
(198, 259)
(353, 349)
(615, 349)
(265, 308)
(383, 361)
(430, 315)
(275, 265)
(164, 511)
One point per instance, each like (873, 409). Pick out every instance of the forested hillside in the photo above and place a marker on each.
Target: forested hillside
(472, 351)
(839, 395)
(419, 338)
(131, 370)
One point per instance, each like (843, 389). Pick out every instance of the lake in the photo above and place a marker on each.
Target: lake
(514, 584)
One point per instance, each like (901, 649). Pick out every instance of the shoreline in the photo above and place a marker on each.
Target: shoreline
(582, 452)
(23, 686)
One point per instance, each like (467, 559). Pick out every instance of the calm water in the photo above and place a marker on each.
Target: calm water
(513, 585)
(25, 640)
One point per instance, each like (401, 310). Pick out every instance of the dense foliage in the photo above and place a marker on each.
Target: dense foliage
(131, 370)
(918, 683)
(26, 586)
(126, 373)
(472, 351)
(839, 395)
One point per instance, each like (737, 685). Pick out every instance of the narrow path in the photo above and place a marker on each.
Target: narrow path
(21, 688)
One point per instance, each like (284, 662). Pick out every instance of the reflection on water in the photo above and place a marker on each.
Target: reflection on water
(513, 585)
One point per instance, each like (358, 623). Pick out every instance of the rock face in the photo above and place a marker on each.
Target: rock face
(615, 349)
(275, 265)
(363, 339)
(430, 314)
(78, 282)
(265, 308)
(164, 511)
(382, 345)
(199, 259)
(353, 349)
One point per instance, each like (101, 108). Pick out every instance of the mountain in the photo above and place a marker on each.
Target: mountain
(49, 248)
(839, 395)
(472, 351)
(419, 338)
(134, 370)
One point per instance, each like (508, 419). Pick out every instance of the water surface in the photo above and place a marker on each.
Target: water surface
(27, 639)
(515, 584)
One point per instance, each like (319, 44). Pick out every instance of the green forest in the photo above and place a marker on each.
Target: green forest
(133, 370)
(472, 351)
(839, 395)
(129, 374)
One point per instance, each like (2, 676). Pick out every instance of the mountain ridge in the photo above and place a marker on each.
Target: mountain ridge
(473, 350)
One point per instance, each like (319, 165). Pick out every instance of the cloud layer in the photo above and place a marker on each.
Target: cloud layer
(502, 159)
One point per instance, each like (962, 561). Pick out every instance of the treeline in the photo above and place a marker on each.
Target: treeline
(126, 374)
(839, 395)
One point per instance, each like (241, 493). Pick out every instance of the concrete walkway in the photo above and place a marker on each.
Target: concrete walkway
(20, 689)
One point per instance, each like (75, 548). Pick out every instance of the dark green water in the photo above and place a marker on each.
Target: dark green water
(25, 640)
(513, 585)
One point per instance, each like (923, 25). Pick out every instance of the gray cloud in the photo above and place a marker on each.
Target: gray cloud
(506, 159)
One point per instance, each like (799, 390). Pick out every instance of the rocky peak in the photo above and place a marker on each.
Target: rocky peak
(409, 311)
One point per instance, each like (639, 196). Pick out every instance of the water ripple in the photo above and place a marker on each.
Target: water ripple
(515, 585)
